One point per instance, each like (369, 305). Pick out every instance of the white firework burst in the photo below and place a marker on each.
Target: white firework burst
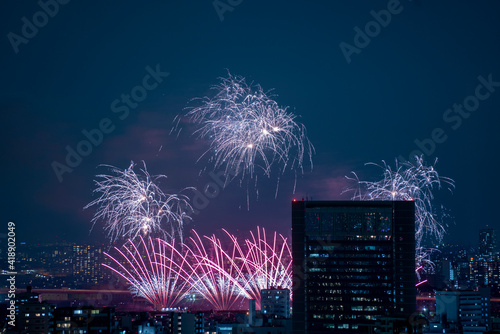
(132, 204)
(410, 182)
(249, 133)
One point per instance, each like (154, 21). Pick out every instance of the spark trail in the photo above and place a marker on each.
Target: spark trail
(227, 271)
(224, 272)
(250, 135)
(132, 204)
(410, 182)
(216, 271)
(267, 263)
(154, 270)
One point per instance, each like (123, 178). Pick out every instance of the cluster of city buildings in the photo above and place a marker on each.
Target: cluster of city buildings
(469, 268)
(37, 316)
(353, 272)
(61, 265)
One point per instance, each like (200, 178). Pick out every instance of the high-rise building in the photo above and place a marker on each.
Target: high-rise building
(485, 273)
(353, 263)
(487, 243)
(275, 302)
(87, 267)
(464, 309)
(251, 312)
(199, 323)
(62, 265)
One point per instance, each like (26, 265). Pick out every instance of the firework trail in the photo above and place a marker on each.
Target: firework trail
(223, 272)
(410, 182)
(154, 270)
(267, 263)
(226, 272)
(216, 271)
(169, 276)
(131, 204)
(249, 133)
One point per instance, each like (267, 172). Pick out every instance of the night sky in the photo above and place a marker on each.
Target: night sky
(361, 99)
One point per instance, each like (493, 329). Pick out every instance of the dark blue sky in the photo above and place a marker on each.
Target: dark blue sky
(396, 89)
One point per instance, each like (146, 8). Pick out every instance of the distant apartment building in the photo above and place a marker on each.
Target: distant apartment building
(275, 302)
(487, 244)
(61, 265)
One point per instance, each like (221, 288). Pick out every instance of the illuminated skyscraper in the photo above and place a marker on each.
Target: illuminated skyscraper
(353, 263)
(487, 244)
(87, 260)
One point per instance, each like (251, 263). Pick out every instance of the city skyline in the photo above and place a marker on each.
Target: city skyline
(359, 252)
(382, 101)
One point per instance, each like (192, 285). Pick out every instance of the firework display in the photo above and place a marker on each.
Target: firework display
(249, 136)
(267, 263)
(155, 270)
(410, 182)
(224, 273)
(249, 133)
(217, 271)
(132, 204)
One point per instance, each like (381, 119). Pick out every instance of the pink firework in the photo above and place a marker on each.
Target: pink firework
(155, 271)
(223, 272)
(226, 272)
(216, 274)
(267, 263)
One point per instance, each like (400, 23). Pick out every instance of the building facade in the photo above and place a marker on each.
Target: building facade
(487, 244)
(353, 263)
(84, 320)
(464, 311)
(275, 302)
